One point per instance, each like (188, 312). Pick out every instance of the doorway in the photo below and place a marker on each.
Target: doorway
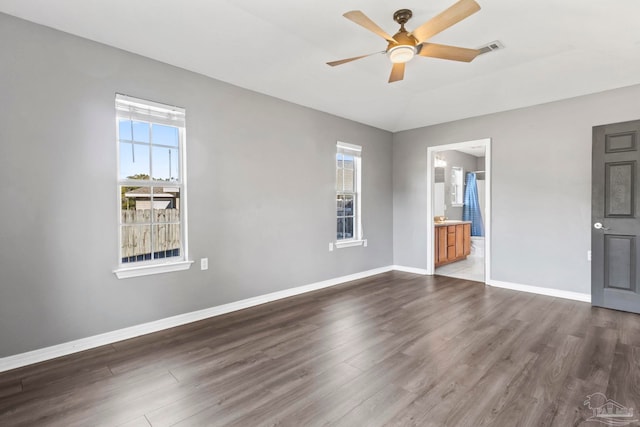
(459, 190)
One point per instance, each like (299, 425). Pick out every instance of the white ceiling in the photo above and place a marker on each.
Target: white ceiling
(555, 49)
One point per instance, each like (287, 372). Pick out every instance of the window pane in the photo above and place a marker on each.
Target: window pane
(124, 129)
(340, 205)
(340, 234)
(141, 131)
(166, 164)
(345, 181)
(348, 227)
(166, 204)
(134, 161)
(135, 205)
(136, 243)
(166, 240)
(165, 135)
(339, 163)
(348, 204)
(348, 161)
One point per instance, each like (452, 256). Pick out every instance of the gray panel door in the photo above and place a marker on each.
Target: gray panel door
(615, 228)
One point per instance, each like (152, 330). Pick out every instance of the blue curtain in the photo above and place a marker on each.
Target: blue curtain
(471, 209)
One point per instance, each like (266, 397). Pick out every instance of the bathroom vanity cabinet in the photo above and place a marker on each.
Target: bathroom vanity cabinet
(452, 241)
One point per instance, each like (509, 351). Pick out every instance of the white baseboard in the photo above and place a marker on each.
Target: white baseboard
(576, 296)
(47, 353)
(410, 270)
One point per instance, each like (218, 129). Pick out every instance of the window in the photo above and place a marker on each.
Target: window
(348, 167)
(151, 187)
(457, 186)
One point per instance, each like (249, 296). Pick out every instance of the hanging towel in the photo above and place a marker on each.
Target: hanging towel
(471, 209)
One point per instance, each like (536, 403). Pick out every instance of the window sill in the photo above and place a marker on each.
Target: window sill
(146, 270)
(349, 243)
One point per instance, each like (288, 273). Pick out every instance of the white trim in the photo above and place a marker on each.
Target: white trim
(576, 296)
(348, 243)
(40, 355)
(487, 210)
(146, 270)
(413, 270)
(184, 194)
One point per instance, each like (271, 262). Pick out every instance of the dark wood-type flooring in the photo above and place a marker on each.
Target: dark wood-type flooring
(392, 350)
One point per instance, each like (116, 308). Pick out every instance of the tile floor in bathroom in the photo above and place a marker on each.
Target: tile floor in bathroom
(471, 268)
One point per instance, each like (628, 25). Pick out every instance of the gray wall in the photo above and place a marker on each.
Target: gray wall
(541, 186)
(480, 163)
(261, 191)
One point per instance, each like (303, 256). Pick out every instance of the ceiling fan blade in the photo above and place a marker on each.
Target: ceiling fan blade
(344, 61)
(363, 20)
(453, 53)
(397, 72)
(444, 20)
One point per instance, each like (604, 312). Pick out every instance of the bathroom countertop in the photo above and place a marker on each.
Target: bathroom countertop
(450, 222)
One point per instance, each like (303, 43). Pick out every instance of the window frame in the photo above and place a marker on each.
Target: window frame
(457, 186)
(355, 151)
(140, 110)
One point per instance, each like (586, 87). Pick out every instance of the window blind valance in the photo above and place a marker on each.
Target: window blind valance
(130, 108)
(351, 149)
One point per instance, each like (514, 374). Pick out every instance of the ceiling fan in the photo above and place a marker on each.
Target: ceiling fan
(404, 45)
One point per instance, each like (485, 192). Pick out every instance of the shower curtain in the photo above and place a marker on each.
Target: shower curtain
(471, 209)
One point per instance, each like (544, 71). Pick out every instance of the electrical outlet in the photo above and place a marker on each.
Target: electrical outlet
(330, 246)
(588, 255)
(204, 263)
(365, 243)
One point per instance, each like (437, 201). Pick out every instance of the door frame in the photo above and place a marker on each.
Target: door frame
(431, 151)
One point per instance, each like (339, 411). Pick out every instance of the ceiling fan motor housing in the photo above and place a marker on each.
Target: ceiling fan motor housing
(403, 38)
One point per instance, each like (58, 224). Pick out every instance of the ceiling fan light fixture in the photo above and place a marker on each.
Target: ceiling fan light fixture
(401, 54)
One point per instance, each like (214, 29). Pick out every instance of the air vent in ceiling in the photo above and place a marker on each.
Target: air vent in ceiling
(490, 47)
